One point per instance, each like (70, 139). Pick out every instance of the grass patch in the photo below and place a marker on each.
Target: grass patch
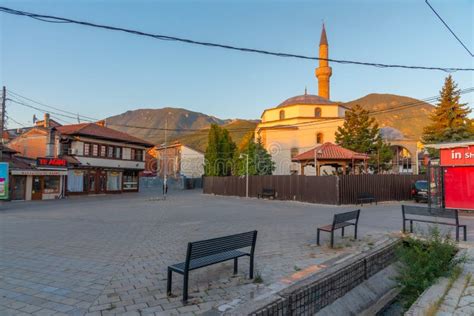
(422, 262)
(258, 278)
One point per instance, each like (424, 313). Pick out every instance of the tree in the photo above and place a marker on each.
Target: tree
(259, 160)
(219, 152)
(449, 121)
(361, 133)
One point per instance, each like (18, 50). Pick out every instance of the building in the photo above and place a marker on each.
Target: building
(87, 158)
(177, 160)
(302, 122)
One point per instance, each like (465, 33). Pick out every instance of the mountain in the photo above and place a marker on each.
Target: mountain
(237, 130)
(405, 114)
(188, 127)
(149, 124)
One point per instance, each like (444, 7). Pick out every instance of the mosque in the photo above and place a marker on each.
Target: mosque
(300, 123)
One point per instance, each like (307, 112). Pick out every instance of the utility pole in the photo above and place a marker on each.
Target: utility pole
(247, 178)
(165, 160)
(4, 97)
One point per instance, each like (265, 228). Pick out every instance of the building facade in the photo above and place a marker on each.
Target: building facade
(178, 160)
(91, 158)
(302, 122)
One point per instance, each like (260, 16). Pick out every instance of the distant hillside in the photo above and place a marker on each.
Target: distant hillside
(198, 140)
(410, 119)
(147, 119)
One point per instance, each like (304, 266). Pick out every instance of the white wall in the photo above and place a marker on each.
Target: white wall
(111, 163)
(192, 163)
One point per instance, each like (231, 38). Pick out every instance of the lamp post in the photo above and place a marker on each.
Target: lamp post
(165, 171)
(246, 174)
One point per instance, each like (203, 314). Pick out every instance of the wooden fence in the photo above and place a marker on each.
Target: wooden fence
(324, 189)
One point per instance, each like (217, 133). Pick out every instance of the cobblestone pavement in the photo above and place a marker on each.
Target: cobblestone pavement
(108, 254)
(459, 300)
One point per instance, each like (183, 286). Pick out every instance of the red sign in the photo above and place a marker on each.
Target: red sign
(51, 162)
(457, 156)
(459, 188)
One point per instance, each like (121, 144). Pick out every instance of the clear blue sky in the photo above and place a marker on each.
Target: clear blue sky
(100, 73)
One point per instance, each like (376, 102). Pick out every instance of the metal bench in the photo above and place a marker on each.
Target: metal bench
(211, 251)
(433, 212)
(270, 193)
(341, 221)
(366, 197)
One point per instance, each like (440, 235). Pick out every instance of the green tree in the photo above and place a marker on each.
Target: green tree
(361, 133)
(260, 161)
(219, 152)
(450, 121)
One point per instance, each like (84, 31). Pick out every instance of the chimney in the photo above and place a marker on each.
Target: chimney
(46, 120)
(101, 123)
(50, 142)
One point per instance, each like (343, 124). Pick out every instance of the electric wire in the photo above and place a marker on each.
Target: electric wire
(53, 19)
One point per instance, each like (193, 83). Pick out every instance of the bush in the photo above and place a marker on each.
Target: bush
(422, 261)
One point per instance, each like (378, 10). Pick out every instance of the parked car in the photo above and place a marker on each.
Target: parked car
(419, 191)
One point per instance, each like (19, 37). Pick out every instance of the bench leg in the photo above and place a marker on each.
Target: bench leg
(251, 267)
(404, 226)
(411, 226)
(342, 232)
(185, 285)
(465, 233)
(317, 237)
(355, 232)
(332, 239)
(236, 265)
(169, 281)
(457, 233)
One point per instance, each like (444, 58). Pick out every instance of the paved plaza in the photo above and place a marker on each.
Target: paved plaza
(107, 255)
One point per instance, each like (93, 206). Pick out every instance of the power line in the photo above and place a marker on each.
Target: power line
(56, 19)
(450, 30)
(50, 106)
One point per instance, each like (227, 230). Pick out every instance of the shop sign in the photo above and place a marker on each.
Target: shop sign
(51, 162)
(3, 180)
(457, 156)
(38, 173)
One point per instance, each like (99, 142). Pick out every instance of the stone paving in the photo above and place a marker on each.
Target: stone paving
(108, 255)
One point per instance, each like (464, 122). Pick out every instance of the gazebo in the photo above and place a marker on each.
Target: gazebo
(329, 154)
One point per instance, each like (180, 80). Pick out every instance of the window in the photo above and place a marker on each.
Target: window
(51, 184)
(282, 115)
(110, 152)
(103, 150)
(118, 153)
(294, 152)
(317, 112)
(95, 150)
(319, 138)
(114, 181)
(75, 181)
(130, 180)
(132, 153)
(87, 149)
(139, 155)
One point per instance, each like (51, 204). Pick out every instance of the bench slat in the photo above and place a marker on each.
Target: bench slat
(206, 261)
(222, 244)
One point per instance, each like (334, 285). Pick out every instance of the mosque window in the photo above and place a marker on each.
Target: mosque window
(282, 115)
(317, 112)
(319, 138)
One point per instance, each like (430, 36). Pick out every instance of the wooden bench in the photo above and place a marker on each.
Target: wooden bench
(366, 197)
(211, 251)
(435, 213)
(266, 192)
(341, 221)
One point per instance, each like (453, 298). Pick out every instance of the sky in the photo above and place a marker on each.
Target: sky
(99, 73)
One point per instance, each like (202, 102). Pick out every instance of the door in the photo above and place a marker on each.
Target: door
(92, 183)
(18, 188)
(102, 181)
(37, 188)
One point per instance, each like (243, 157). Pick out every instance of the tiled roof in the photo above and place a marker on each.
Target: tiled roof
(310, 99)
(329, 151)
(97, 131)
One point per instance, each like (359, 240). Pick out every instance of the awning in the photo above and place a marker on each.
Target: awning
(32, 172)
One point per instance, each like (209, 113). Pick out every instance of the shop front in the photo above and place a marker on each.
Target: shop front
(101, 181)
(36, 184)
(452, 180)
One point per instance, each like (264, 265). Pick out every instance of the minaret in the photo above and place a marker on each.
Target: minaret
(323, 72)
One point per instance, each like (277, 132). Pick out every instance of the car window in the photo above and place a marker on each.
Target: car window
(421, 185)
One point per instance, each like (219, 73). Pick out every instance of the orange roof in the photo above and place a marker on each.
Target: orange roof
(97, 131)
(329, 151)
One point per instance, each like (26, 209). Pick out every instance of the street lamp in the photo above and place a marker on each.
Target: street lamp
(246, 174)
(165, 175)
